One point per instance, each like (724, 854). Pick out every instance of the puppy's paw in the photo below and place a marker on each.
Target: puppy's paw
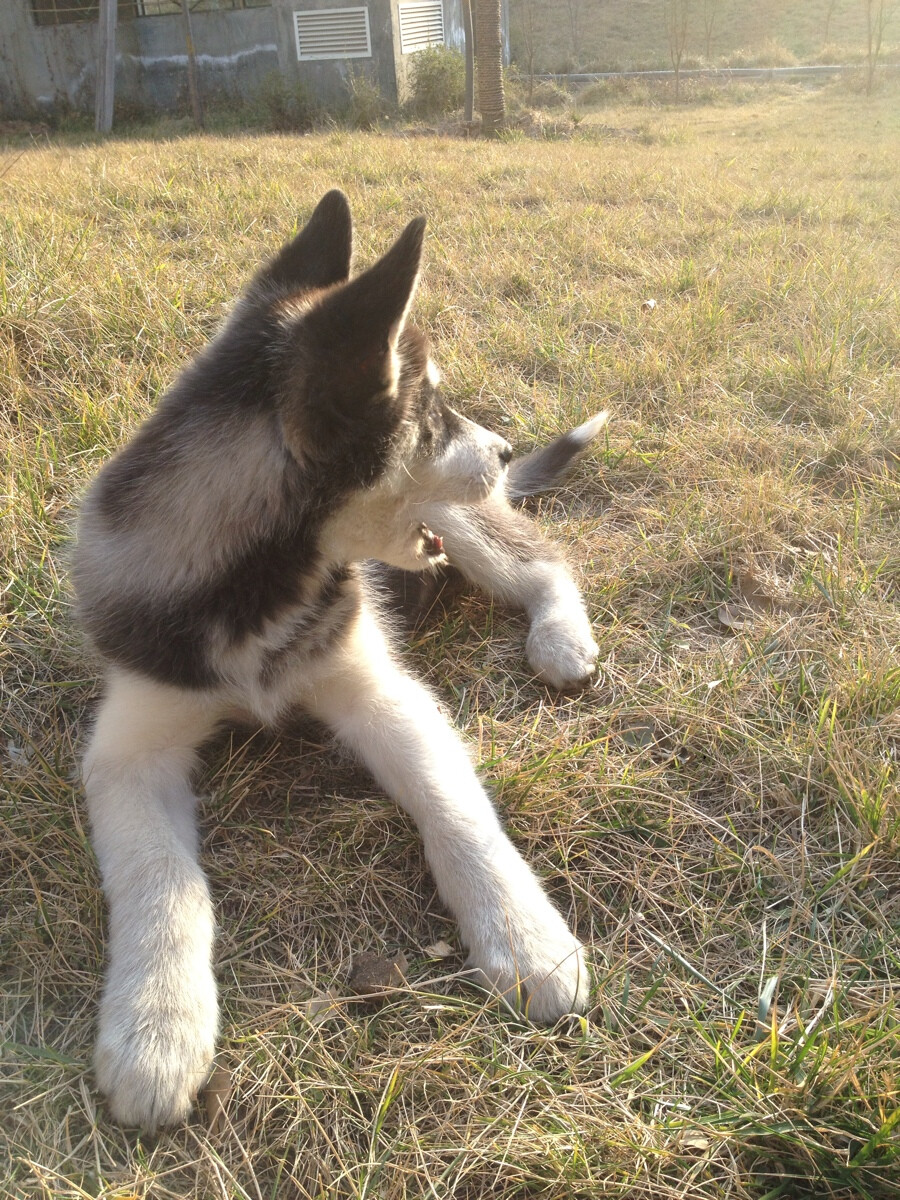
(542, 970)
(152, 1057)
(429, 550)
(562, 650)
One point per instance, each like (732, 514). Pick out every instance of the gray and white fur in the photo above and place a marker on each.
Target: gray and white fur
(218, 571)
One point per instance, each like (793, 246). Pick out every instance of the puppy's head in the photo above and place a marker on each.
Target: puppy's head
(358, 396)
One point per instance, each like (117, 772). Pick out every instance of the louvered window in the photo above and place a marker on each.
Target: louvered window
(333, 33)
(421, 25)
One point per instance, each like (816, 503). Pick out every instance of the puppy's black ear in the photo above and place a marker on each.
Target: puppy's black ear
(341, 365)
(356, 328)
(320, 253)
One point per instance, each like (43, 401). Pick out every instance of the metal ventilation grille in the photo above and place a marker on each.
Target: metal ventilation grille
(421, 25)
(333, 33)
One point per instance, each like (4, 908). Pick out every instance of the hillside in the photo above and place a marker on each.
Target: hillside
(630, 34)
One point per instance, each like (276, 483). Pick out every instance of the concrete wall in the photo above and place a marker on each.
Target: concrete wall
(388, 67)
(327, 79)
(235, 51)
(37, 69)
(42, 67)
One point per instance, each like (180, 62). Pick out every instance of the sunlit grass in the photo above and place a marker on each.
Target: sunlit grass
(719, 814)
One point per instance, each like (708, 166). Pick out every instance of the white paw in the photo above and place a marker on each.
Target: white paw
(562, 650)
(540, 969)
(153, 1054)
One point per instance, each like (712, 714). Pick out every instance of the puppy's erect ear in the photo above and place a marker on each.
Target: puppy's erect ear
(354, 331)
(340, 400)
(320, 253)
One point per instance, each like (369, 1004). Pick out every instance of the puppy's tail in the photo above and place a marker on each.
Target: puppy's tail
(548, 467)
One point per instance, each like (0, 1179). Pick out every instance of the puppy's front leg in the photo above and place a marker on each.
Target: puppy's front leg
(503, 552)
(158, 1014)
(515, 936)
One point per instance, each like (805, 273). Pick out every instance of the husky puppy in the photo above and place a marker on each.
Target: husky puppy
(217, 572)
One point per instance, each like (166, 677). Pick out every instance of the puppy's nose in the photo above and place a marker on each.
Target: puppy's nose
(506, 453)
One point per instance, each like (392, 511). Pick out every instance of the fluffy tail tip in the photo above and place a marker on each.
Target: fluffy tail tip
(548, 467)
(587, 431)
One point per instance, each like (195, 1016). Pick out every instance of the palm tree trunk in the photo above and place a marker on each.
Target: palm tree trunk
(489, 55)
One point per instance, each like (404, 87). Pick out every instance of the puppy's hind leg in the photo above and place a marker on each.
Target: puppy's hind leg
(158, 1014)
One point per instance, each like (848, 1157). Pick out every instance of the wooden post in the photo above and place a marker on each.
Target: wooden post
(196, 107)
(106, 66)
(470, 61)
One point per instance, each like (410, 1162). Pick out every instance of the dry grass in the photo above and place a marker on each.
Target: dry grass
(719, 814)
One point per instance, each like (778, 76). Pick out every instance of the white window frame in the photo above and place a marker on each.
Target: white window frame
(432, 4)
(324, 13)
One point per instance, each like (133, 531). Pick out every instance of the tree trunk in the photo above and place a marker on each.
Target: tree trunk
(877, 17)
(829, 13)
(489, 58)
(193, 86)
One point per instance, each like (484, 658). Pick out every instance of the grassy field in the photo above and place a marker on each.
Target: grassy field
(618, 35)
(719, 814)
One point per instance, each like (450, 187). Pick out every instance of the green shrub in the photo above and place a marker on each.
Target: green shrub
(366, 106)
(282, 106)
(525, 93)
(437, 81)
(832, 53)
(767, 54)
(604, 91)
(550, 95)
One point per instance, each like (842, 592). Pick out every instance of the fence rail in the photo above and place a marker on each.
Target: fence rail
(723, 73)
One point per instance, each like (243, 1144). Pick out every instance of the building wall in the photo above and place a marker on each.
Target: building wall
(327, 79)
(234, 52)
(42, 67)
(45, 66)
(37, 69)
